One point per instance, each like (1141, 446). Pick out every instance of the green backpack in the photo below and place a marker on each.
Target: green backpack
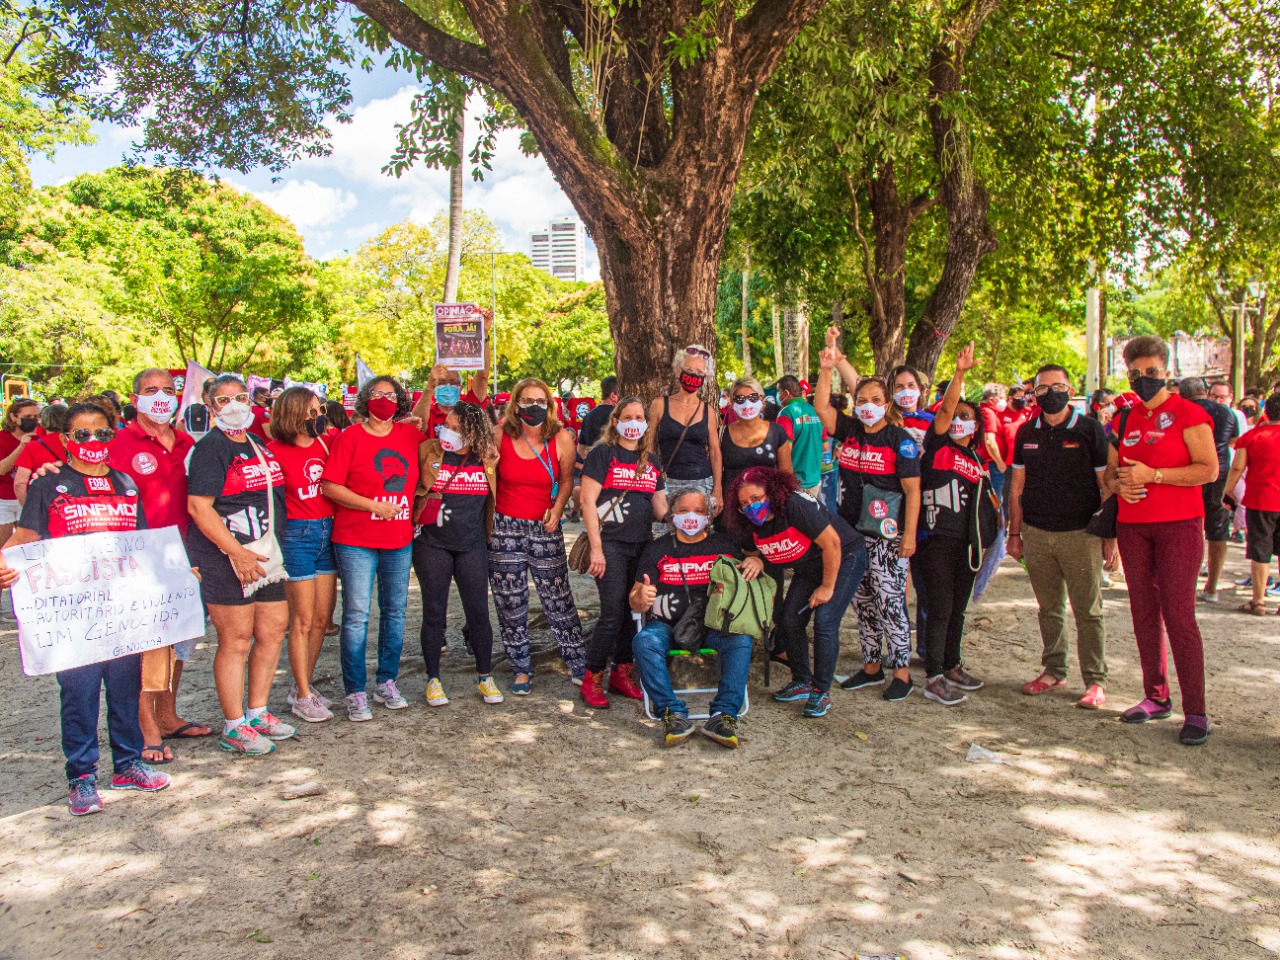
(735, 605)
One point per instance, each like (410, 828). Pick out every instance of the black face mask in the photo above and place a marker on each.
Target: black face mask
(1147, 387)
(692, 382)
(28, 424)
(1054, 401)
(533, 416)
(1018, 403)
(316, 427)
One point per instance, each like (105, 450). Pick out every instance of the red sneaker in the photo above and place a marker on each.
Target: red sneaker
(623, 680)
(593, 690)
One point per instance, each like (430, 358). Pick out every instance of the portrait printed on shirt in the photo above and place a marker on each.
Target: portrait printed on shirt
(393, 469)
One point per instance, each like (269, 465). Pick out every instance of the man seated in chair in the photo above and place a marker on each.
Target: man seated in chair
(673, 576)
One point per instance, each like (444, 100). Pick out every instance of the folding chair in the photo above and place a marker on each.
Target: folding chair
(672, 657)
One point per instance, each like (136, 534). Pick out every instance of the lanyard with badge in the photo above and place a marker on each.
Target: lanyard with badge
(546, 465)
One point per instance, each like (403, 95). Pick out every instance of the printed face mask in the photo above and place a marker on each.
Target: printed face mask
(383, 408)
(451, 440)
(907, 398)
(748, 410)
(632, 429)
(869, 413)
(692, 382)
(960, 429)
(157, 407)
(448, 394)
(235, 417)
(691, 524)
(533, 416)
(755, 512)
(95, 451)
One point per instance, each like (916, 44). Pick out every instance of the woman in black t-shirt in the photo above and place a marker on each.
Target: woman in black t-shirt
(951, 474)
(453, 511)
(622, 493)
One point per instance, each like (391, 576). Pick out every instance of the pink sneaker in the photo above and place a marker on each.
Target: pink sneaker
(138, 776)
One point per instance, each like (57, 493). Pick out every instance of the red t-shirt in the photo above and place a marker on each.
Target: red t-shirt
(990, 417)
(261, 417)
(436, 417)
(1154, 437)
(1010, 420)
(161, 475)
(303, 468)
(384, 469)
(8, 444)
(1262, 474)
(41, 449)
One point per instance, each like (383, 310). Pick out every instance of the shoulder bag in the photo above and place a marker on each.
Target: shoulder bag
(878, 516)
(266, 545)
(433, 502)
(1103, 522)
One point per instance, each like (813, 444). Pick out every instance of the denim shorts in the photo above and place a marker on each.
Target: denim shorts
(307, 546)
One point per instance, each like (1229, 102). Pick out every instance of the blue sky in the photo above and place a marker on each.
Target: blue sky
(342, 200)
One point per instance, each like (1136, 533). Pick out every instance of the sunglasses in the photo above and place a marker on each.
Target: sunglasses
(1155, 373)
(102, 435)
(219, 402)
(748, 398)
(698, 352)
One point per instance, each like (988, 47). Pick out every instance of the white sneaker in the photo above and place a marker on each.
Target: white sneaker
(387, 695)
(358, 707)
(293, 695)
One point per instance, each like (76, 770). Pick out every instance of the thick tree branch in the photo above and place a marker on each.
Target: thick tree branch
(763, 35)
(468, 59)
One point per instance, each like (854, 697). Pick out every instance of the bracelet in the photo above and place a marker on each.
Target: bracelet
(1159, 477)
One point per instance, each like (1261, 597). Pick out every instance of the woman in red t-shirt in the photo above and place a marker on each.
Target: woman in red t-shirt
(298, 431)
(535, 479)
(1159, 460)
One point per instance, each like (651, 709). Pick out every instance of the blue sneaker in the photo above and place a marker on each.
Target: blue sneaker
(817, 705)
(521, 689)
(795, 690)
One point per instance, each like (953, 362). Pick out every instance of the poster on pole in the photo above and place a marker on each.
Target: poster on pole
(460, 332)
(98, 596)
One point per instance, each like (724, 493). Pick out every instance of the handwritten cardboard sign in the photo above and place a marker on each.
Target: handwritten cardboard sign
(459, 336)
(98, 596)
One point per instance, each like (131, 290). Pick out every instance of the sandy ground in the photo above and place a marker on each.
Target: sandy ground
(542, 829)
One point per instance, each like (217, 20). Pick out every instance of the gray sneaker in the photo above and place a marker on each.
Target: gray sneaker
(311, 710)
(272, 727)
(358, 707)
(387, 695)
(943, 691)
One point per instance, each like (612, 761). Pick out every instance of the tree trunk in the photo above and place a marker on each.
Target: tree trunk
(455, 206)
(746, 316)
(795, 341)
(777, 342)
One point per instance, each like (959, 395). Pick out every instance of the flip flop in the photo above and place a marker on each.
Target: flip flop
(181, 732)
(157, 763)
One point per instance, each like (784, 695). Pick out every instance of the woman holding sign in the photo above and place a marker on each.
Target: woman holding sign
(235, 495)
(91, 498)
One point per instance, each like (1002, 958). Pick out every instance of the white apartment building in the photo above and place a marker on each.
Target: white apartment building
(561, 248)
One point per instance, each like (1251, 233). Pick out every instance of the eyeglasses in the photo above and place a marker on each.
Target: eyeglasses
(526, 404)
(1055, 387)
(152, 391)
(383, 395)
(698, 352)
(102, 435)
(748, 398)
(1155, 373)
(219, 402)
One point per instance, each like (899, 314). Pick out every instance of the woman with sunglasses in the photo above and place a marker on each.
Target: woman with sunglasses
(690, 459)
(789, 530)
(298, 430)
(535, 480)
(90, 497)
(621, 494)
(750, 440)
(229, 479)
(1157, 464)
(371, 474)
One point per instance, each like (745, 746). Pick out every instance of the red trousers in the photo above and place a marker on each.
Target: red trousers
(1161, 564)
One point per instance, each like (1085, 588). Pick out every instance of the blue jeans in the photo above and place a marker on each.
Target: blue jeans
(997, 481)
(794, 619)
(358, 566)
(830, 484)
(650, 647)
(80, 690)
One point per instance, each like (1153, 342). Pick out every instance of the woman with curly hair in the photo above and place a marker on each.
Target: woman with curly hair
(454, 512)
(370, 476)
(787, 529)
(622, 492)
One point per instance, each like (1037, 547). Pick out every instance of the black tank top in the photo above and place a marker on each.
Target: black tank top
(691, 461)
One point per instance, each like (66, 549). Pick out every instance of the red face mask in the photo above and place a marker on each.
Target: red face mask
(383, 408)
(94, 452)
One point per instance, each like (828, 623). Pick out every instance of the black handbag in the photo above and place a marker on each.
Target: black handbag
(689, 632)
(1103, 522)
(878, 516)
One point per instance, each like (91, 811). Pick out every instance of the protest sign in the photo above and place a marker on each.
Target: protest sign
(460, 336)
(98, 596)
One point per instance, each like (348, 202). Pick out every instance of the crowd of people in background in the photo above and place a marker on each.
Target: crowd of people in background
(859, 496)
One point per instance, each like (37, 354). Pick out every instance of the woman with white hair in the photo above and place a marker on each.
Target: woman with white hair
(690, 459)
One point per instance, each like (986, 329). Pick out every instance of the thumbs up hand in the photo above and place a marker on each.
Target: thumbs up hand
(648, 592)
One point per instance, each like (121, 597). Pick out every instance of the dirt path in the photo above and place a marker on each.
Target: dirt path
(540, 829)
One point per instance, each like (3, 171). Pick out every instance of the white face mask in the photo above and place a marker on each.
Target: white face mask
(960, 429)
(157, 407)
(691, 524)
(906, 397)
(1001, 405)
(234, 417)
(869, 413)
(748, 410)
(724, 402)
(632, 429)
(451, 440)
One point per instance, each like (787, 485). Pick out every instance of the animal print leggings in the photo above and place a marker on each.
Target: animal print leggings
(520, 548)
(881, 605)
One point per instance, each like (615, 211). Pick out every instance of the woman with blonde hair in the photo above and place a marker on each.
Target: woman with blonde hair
(622, 492)
(751, 441)
(535, 480)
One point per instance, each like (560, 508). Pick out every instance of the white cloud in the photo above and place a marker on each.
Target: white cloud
(308, 204)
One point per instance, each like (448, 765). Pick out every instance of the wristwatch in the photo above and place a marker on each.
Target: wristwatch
(1159, 477)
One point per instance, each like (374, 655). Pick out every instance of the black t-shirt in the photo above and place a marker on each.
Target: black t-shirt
(736, 460)
(593, 424)
(789, 538)
(1060, 467)
(666, 560)
(949, 475)
(231, 474)
(881, 459)
(1225, 429)
(69, 503)
(614, 468)
(464, 488)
